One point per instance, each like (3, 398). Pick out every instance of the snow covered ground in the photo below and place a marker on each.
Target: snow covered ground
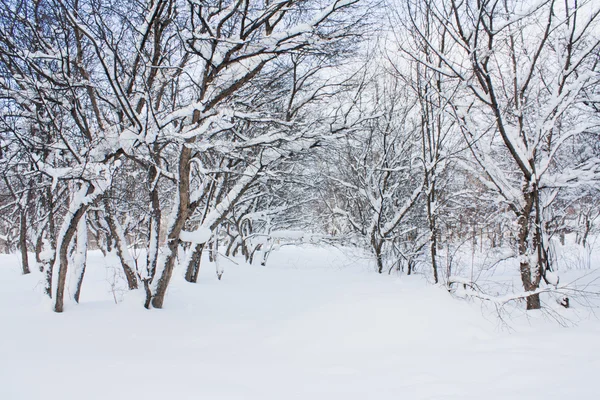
(314, 324)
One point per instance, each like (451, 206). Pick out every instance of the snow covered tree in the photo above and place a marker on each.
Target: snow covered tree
(524, 68)
(375, 175)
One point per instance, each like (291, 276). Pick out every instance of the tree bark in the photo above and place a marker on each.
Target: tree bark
(530, 281)
(193, 267)
(23, 242)
(433, 232)
(70, 227)
(81, 255)
(154, 226)
(173, 236)
(39, 246)
(52, 240)
(377, 244)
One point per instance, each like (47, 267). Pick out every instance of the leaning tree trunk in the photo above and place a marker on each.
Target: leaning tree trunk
(193, 267)
(183, 210)
(120, 245)
(253, 252)
(76, 212)
(168, 264)
(233, 243)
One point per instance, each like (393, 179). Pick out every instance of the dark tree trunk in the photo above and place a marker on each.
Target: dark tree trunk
(232, 242)
(377, 245)
(154, 226)
(23, 242)
(211, 251)
(63, 257)
(63, 250)
(82, 245)
(39, 246)
(52, 239)
(79, 283)
(433, 231)
(530, 281)
(254, 250)
(158, 297)
(193, 267)
(587, 226)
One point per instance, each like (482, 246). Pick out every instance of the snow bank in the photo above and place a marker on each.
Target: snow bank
(315, 324)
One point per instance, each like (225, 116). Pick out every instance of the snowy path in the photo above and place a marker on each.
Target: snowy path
(297, 332)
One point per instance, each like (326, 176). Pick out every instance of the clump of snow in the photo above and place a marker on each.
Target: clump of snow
(552, 278)
(198, 236)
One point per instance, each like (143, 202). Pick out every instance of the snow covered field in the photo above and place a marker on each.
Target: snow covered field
(314, 324)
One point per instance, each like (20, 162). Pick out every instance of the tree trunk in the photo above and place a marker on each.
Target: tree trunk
(121, 246)
(158, 297)
(63, 244)
(52, 241)
(218, 267)
(530, 281)
(23, 242)
(232, 242)
(434, 267)
(587, 226)
(254, 250)
(211, 251)
(379, 263)
(377, 244)
(193, 267)
(81, 255)
(433, 232)
(63, 257)
(173, 236)
(154, 226)
(39, 246)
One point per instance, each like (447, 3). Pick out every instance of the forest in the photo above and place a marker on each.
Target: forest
(162, 130)
(299, 199)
